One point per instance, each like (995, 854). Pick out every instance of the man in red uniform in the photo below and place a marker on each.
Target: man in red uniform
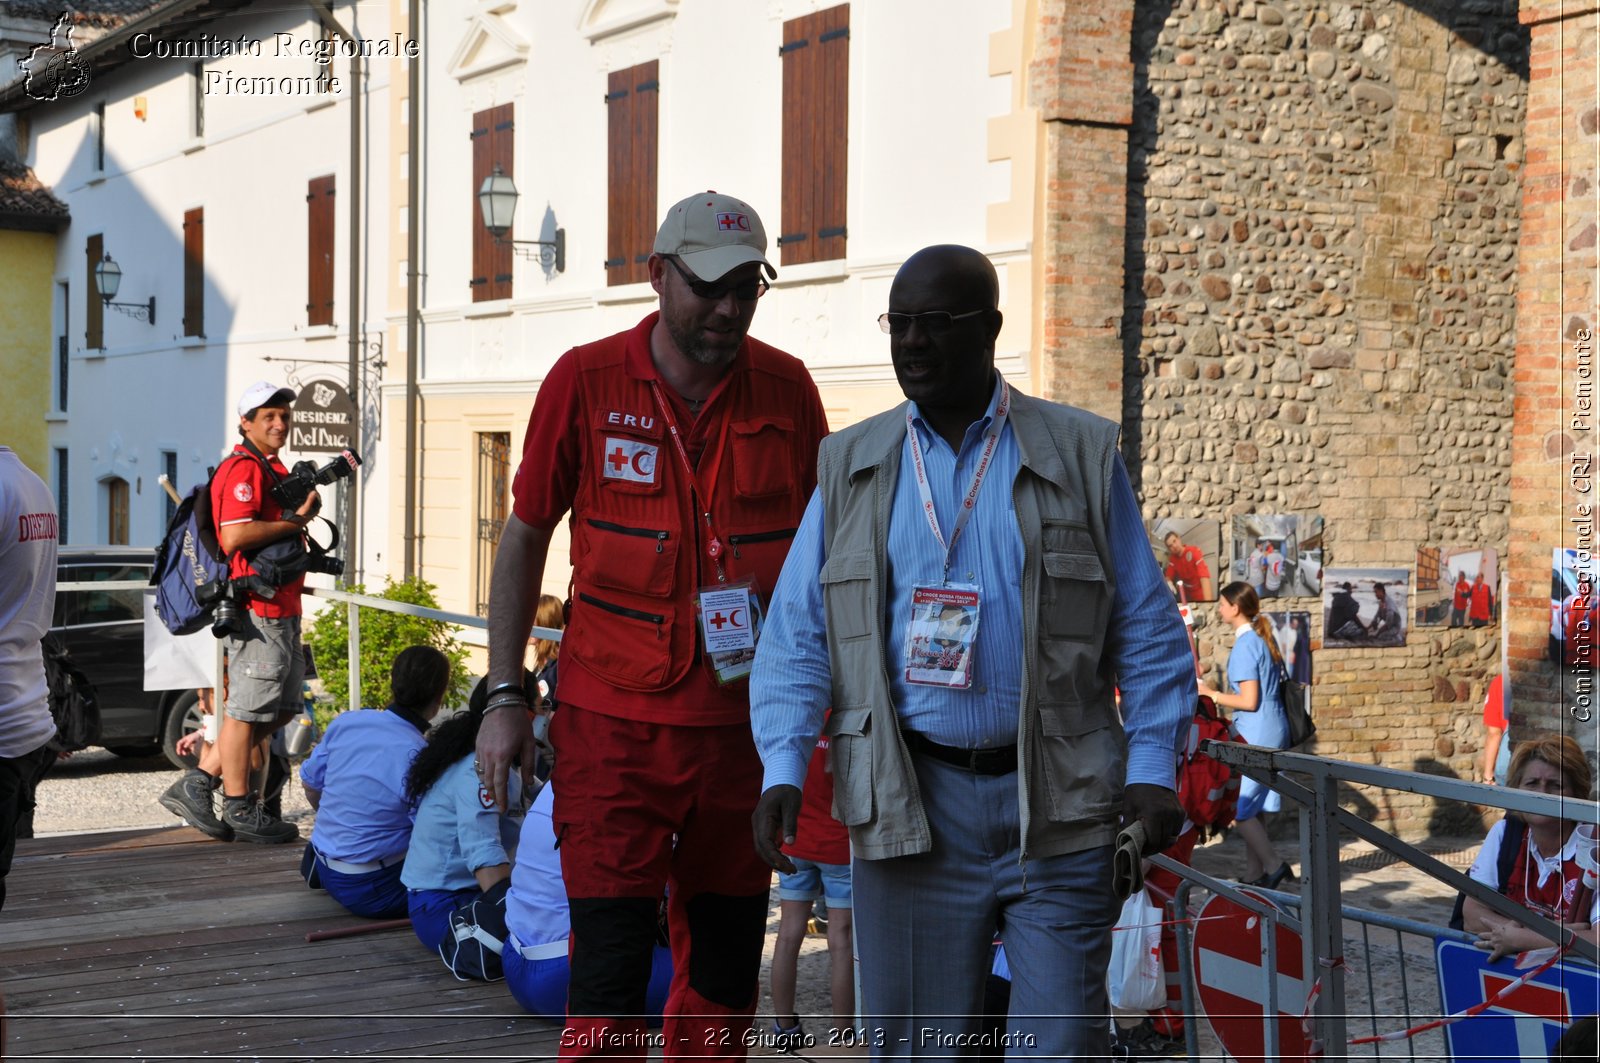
(686, 452)
(1481, 610)
(1186, 565)
(1458, 602)
(265, 664)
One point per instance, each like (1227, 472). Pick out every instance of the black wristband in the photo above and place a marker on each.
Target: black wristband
(507, 686)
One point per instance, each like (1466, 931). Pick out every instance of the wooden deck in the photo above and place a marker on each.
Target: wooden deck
(163, 944)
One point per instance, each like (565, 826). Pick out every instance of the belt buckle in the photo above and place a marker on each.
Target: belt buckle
(979, 761)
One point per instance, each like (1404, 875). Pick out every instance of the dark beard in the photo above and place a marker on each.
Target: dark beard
(694, 348)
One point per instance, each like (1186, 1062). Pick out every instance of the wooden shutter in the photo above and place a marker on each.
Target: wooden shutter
(816, 84)
(194, 272)
(319, 243)
(94, 316)
(632, 109)
(491, 260)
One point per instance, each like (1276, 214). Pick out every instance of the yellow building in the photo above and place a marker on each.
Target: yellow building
(30, 217)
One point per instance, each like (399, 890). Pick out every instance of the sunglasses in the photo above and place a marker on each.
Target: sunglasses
(745, 291)
(934, 322)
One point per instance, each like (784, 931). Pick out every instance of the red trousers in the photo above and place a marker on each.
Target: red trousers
(641, 808)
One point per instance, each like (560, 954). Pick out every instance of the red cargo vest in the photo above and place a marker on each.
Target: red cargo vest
(638, 540)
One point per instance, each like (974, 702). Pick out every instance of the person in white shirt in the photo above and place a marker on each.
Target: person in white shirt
(28, 540)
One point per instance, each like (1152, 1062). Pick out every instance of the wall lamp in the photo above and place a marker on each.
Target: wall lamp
(497, 198)
(107, 279)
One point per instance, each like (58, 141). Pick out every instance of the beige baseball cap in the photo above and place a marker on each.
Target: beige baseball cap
(712, 234)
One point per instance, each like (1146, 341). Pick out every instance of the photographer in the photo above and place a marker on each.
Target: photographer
(265, 666)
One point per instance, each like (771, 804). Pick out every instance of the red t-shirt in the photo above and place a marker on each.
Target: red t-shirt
(818, 836)
(1480, 602)
(1494, 706)
(1463, 591)
(239, 495)
(1189, 566)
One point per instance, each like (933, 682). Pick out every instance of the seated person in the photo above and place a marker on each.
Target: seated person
(1532, 859)
(461, 844)
(355, 779)
(535, 956)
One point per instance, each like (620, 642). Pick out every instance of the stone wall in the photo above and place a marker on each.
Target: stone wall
(1320, 315)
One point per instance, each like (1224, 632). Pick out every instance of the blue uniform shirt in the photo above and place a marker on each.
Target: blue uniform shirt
(360, 768)
(536, 907)
(458, 830)
(791, 685)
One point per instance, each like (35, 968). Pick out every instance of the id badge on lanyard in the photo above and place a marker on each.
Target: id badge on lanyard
(941, 636)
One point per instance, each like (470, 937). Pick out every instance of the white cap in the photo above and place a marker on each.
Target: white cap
(713, 234)
(264, 393)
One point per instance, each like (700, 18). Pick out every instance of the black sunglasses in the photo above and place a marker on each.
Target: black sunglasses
(936, 322)
(744, 291)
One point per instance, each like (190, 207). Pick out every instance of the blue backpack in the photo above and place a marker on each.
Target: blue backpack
(191, 571)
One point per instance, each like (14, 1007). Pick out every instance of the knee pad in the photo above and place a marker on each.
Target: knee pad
(725, 939)
(613, 938)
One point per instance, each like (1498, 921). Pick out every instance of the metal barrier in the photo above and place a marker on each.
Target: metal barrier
(1311, 913)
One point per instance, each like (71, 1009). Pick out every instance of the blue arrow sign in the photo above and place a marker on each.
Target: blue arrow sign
(1521, 1027)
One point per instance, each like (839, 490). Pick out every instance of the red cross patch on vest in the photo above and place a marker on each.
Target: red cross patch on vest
(628, 459)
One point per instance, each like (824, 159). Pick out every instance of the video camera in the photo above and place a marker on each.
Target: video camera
(291, 491)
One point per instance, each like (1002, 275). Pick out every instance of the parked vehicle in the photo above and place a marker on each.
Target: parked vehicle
(104, 634)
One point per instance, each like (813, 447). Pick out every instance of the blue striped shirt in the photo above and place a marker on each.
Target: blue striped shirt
(791, 687)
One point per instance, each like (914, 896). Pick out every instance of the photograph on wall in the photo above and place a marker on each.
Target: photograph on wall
(1307, 549)
(1266, 553)
(1574, 609)
(1292, 630)
(1189, 551)
(1457, 586)
(1364, 607)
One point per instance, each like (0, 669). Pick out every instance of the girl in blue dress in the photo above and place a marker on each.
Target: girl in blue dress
(1253, 670)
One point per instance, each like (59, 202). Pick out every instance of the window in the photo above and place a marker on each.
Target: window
(78, 608)
(494, 482)
(61, 494)
(169, 466)
(100, 136)
(117, 511)
(319, 241)
(194, 271)
(491, 258)
(816, 66)
(94, 307)
(632, 101)
(63, 362)
(197, 98)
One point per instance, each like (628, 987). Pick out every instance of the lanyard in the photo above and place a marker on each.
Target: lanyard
(967, 504)
(702, 496)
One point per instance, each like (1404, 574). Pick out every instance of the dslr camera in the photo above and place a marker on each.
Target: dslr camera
(292, 490)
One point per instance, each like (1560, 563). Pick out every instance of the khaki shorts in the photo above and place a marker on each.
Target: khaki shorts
(266, 669)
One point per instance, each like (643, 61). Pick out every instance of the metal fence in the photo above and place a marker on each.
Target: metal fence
(1326, 925)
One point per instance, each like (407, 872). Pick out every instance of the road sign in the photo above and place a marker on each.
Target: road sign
(1228, 958)
(1526, 1024)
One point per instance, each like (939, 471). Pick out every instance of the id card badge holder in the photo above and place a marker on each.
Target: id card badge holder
(942, 635)
(730, 617)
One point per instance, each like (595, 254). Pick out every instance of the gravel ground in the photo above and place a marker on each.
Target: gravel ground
(96, 790)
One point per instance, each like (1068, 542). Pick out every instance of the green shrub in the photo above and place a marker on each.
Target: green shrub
(383, 636)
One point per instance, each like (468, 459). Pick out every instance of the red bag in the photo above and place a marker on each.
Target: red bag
(1208, 788)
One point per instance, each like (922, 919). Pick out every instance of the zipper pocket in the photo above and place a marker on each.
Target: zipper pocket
(622, 529)
(622, 610)
(760, 537)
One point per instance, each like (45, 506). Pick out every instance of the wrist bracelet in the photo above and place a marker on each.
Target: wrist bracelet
(503, 704)
(508, 686)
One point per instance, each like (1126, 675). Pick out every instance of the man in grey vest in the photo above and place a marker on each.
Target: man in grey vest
(983, 785)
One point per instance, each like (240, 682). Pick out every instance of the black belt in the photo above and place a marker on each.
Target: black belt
(1002, 760)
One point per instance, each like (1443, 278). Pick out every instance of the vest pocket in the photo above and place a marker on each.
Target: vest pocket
(846, 593)
(1085, 759)
(850, 757)
(1073, 601)
(763, 456)
(636, 560)
(631, 648)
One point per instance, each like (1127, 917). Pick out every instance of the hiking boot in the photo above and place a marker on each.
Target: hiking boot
(192, 798)
(252, 823)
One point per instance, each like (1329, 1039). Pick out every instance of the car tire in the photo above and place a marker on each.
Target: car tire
(182, 717)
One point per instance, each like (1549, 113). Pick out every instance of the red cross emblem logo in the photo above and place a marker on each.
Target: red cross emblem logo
(628, 459)
(731, 221)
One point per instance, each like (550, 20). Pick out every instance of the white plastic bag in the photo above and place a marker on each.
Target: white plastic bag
(1135, 980)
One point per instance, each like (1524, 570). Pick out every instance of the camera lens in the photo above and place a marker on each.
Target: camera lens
(225, 619)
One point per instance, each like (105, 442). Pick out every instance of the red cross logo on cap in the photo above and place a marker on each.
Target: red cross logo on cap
(732, 221)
